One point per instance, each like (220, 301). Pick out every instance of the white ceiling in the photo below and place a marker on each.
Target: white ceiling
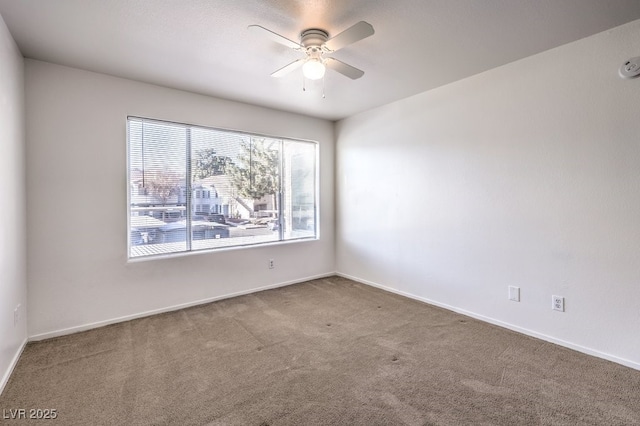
(204, 46)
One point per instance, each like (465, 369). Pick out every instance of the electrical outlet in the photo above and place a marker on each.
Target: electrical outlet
(514, 293)
(557, 303)
(271, 264)
(16, 315)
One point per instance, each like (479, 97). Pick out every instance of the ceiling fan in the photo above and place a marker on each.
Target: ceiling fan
(315, 43)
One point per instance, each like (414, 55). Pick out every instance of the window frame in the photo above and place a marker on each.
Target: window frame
(189, 192)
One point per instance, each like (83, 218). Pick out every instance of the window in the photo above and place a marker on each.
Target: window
(265, 188)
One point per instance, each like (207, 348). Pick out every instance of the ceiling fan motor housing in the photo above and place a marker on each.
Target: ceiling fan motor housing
(313, 37)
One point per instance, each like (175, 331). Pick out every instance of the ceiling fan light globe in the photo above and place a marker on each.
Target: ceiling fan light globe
(313, 69)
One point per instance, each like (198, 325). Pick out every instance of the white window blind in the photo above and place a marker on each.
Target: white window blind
(197, 188)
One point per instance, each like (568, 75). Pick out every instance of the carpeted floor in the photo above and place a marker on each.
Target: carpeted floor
(325, 352)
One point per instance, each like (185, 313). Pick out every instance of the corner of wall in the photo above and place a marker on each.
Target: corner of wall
(13, 292)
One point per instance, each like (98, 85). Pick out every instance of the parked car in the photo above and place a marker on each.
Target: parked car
(202, 230)
(217, 218)
(136, 238)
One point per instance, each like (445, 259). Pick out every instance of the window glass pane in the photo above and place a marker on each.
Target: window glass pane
(157, 175)
(242, 189)
(241, 174)
(299, 190)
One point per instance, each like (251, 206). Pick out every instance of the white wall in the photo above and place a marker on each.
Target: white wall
(13, 283)
(76, 185)
(526, 175)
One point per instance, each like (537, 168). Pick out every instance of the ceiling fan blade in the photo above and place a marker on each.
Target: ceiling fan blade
(274, 36)
(344, 69)
(288, 68)
(352, 34)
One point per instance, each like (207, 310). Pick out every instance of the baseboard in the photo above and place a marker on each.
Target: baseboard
(550, 339)
(12, 366)
(85, 327)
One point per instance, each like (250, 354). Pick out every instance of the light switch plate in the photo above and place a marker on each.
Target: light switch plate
(514, 293)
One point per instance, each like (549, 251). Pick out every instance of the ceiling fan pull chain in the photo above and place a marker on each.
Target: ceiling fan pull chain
(323, 78)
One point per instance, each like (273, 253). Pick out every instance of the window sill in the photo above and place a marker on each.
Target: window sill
(170, 250)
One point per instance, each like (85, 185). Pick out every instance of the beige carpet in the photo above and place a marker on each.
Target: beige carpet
(325, 352)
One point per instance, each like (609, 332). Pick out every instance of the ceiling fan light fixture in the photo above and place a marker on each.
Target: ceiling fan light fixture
(313, 69)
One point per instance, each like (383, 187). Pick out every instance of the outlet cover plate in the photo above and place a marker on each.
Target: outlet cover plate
(557, 303)
(16, 315)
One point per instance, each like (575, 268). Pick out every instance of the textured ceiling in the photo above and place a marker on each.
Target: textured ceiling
(203, 46)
